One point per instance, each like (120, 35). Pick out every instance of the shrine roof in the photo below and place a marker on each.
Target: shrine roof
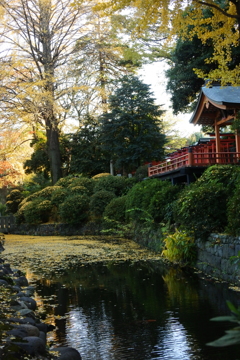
(216, 102)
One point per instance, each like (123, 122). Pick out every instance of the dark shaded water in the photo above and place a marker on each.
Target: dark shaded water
(140, 310)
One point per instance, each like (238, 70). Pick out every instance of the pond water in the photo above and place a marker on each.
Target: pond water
(139, 310)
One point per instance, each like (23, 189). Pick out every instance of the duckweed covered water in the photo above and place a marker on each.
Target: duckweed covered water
(126, 309)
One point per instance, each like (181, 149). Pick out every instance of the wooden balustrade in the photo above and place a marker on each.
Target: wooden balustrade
(194, 159)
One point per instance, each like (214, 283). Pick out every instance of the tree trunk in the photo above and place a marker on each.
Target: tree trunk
(54, 152)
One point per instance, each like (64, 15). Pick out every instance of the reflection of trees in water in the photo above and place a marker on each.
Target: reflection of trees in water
(136, 306)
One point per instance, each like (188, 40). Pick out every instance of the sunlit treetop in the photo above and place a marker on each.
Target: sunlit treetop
(187, 18)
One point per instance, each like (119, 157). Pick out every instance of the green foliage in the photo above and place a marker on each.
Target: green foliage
(232, 336)
(83, 182)
(115, 184)
(14, 198)
(37, 211)
(86, 154)
(116, 228)
(183, 84)
(3, 209)
(98, 176)
(99, 201)
(39, 162)
(76, 180)
(202, 208)
(37, 183)
(233, 213)
(153, 196)
(227, 175)
(131, 132)
(74, 209)
(162, 202)
(59, 195)
(141, 172)
(180, 247)
(115, 210)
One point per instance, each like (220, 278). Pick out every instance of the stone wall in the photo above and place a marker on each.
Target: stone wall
(214, 257)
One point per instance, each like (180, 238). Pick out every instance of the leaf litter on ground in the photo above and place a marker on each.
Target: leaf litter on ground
(43, 255)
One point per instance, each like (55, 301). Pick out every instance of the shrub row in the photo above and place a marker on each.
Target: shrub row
(211, 204)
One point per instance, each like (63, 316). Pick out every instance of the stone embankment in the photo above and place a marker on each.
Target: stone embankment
(218, 257)
(22, 334)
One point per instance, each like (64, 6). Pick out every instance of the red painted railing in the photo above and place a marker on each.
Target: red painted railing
(194, 159)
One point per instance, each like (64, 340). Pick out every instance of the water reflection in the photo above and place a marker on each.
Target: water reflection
(139, 311)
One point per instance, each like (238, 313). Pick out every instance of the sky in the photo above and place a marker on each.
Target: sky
(153, 74)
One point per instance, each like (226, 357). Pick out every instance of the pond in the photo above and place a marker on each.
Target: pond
(130, 308)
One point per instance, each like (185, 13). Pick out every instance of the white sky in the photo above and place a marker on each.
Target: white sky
(153, 74)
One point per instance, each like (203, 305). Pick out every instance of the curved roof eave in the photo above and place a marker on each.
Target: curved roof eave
(219, 96)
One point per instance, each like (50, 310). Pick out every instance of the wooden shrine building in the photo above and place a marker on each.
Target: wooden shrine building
(217, 106)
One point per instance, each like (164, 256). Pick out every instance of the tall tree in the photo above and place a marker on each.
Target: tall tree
(102, 56)
(40, 36)
(131, 132)
(86, 153)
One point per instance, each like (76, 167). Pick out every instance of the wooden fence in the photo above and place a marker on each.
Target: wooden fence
(7, 223)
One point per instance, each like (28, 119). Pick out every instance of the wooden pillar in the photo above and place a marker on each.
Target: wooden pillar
(237, 141)
(190, 157)
(218, 144)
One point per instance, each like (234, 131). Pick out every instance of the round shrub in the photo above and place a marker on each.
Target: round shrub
(45, 193)
(98, 176)
(99, 201)
(74, 209)
(115, 184)
(115, 210)
(202, 209)
(37, 211)
(149, 196)
(66, 181)
(59, 195)
(72, 181)
(87, 183)
(14, 198)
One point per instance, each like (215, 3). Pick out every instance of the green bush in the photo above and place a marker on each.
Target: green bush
(45, 193)
(74, 180)
(152, 196)
(162, 202)
(3, 209)
(115, 184)
(78, 189)
(141, 172)
(74, 209)
(37, 211)
(227, 175)
(85, 182)
(115, 210)
(233, 214)
(99, 201)
(59, 195)
(202, 208)
(14, 198)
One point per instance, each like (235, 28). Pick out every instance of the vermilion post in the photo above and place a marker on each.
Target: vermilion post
(190, 157)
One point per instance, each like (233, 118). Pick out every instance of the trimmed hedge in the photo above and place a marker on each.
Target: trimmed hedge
(114, 184)
(115, 210)
(74, 209)
(99, 201)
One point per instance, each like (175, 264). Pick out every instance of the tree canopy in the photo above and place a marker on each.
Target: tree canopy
(174, 18)
(131, 132)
